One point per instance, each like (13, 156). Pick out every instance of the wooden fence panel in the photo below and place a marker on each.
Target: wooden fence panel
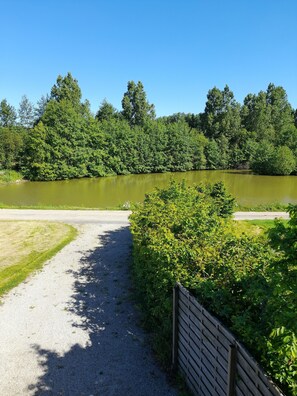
(211, 359)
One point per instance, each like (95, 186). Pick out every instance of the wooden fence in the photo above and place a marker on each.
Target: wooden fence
(210, 358)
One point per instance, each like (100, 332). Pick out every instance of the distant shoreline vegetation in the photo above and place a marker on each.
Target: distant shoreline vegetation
(61, 139)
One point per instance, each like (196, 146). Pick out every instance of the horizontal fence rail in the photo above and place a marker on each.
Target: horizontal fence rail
(210, 358)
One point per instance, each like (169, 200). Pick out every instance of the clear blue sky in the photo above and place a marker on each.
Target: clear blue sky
(178, 49)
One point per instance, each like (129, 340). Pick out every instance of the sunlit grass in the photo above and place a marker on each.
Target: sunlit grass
(26, 245)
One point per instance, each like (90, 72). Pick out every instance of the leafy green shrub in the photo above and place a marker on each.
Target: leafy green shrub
(270, 160)
(170, 230)
(186, 234)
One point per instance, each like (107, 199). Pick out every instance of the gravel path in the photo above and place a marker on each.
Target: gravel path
(106, 216)
(72, 329)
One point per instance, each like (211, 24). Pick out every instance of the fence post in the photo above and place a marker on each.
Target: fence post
(231, 370)
(175, 327)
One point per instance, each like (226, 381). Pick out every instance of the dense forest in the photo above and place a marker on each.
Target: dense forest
(60, 138)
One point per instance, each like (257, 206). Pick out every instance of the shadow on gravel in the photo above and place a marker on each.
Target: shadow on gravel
(117, 360)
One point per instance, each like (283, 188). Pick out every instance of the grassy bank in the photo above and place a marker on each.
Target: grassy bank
(277, 207)
(10, 176)
(273, 207)
(26, 245)
(63, 207)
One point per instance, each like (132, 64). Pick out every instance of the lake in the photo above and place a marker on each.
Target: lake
(109, 192)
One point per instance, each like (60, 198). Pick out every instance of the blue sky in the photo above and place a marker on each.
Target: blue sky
(178, 49)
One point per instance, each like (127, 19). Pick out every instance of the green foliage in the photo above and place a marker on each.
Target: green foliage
(64, 140)
(11, 147)
(67, 141)
(271, 160)
(186, 234)
(106, 112)
(222, 114)
(26, 113)
(66, 88)
(282, 344)
(9, 176)
(136, 109)
(173, 232)
(8, 114)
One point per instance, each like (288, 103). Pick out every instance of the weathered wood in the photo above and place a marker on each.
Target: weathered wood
(189, 337)
(230, 337)
(256, 376)
(202, 320)
(175, 328)
(254, 371)
(202, 331)
(231, 371)
(253, 389)
(238, 392)
(191, 382)
(211, 359)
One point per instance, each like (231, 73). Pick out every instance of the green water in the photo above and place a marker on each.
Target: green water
(109, 192)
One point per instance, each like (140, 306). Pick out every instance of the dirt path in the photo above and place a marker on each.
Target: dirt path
(72, 329)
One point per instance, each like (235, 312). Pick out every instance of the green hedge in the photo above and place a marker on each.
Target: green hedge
(186, 234)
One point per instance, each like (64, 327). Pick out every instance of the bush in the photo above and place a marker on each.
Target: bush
(186, 234)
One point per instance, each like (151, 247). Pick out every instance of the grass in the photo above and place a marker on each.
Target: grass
(10, 176)
(26, 245)
(254, 227)
(61, 207)
(277, 207)
(273, 207)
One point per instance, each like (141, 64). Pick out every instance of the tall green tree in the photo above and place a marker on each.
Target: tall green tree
(136, 109)
(40, 107)
(8, 114)
(11, 146)
(282, 115)
(66, 88)
(26, 113)
(221, 116)
(67, 142)
(267, 113)
(106, 111)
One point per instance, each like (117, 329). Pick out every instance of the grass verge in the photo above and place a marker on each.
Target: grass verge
(61, 207)
(273, 207)
(10, 176)
(254, 227)
(26, 245)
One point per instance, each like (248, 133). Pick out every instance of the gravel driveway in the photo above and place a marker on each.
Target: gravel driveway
(72, 329)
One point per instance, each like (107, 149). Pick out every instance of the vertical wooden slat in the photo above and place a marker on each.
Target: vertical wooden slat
(175, 328)
(231, 371)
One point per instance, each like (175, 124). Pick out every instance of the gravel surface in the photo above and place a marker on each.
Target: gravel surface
(73, 329)
(106, 216)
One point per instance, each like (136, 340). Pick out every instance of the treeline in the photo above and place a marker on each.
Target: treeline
(60, 138)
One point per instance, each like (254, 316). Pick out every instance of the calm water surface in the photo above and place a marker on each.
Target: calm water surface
(248, 189)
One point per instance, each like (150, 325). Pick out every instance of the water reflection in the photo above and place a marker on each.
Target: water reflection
(113, 191)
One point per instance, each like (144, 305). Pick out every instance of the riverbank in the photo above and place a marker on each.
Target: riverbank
(10, 177)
